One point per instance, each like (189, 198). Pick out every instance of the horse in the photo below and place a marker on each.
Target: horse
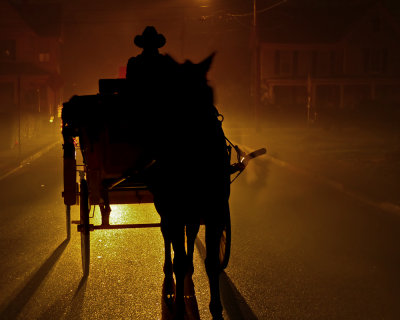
(190, 178)
(172, 138)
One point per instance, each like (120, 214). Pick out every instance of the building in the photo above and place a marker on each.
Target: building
(30, 82)
(325, 61)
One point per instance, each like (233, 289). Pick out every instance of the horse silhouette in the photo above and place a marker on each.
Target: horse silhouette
(166, 132)
(190, 179)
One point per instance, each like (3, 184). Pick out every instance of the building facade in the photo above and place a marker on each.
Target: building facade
(30, 81)
(345, 69)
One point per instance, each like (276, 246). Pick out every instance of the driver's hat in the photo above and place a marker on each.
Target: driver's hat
(150, 38)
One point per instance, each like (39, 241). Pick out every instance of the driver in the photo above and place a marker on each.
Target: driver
(147, 67)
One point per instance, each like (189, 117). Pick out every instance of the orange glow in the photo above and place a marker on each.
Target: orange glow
(59, 110)
(128, 213)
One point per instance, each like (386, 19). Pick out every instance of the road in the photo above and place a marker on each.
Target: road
(300, 250)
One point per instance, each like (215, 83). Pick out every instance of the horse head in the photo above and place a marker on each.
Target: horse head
(198, 70)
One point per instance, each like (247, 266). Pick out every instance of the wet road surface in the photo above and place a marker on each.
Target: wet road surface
(300, 250)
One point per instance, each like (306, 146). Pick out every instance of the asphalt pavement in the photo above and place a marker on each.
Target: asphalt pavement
(303, 245)
(363, 162)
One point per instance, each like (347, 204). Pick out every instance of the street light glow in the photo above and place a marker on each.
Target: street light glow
(204, 3)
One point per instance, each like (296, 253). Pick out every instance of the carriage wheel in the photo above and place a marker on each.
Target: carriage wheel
(68, 221)
(85, 228)
(225, 243)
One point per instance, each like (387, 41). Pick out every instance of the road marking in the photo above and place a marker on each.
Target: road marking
(29, 159)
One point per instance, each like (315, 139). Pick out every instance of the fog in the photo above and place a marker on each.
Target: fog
(346, 133)
(315, 221)
(338, 126)
(98, 41)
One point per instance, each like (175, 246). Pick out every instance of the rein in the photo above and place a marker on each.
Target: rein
(230, 145)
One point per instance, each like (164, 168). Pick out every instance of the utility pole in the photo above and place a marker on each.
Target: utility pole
(19, 115)
(256, 69)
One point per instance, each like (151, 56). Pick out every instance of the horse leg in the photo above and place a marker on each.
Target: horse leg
(177, 233)
(213, 235)
(105, 210)
(168, 271)
(191, 234)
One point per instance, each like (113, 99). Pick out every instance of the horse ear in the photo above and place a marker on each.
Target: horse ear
(206, 63)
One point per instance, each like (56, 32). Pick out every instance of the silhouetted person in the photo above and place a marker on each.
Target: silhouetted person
(149, 75)
(147, 67)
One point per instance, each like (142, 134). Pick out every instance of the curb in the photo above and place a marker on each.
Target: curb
(29, 159)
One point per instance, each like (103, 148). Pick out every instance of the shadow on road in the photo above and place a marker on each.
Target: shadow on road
(21, 298)
(72, 309)
(77, 301)
(234, 303)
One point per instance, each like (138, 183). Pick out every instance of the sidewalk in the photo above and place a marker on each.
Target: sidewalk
(12, 160)
(363, 162)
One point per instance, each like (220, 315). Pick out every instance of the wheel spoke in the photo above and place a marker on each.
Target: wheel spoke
(68, 221)
(85, 232)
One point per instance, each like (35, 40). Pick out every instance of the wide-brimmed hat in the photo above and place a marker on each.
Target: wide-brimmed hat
(150, 38)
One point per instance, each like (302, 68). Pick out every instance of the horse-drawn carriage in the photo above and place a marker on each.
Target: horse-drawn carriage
(111, 135)
(110, 173)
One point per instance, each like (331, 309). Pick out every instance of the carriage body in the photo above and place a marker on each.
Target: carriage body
(111, 131)
(126, 134)
(100, 127)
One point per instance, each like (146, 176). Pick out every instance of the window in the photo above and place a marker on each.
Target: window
(375, 60)
(283, 64)
(6, 96)
(277, 62)
(376, 24)
(44, 57)
(323, 63)
(286, 62)
(295, 63)
(7, 50)
(314, 63)
(333, 63)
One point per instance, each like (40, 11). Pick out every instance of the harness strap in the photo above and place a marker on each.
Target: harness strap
(230, 145)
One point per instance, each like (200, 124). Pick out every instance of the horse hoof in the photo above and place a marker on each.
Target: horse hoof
(216, 311)
(168, 290)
